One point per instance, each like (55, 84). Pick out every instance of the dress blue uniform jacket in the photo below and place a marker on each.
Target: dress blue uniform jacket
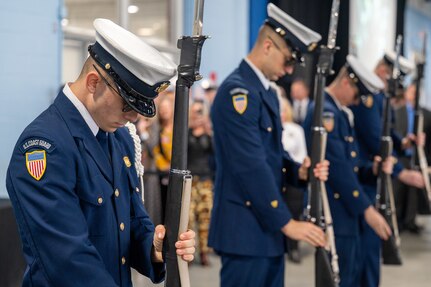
(346, 197)
(248, 210)
(83, 222)
(368, 127)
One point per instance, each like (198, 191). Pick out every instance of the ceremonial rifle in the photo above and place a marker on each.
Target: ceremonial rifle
(419, 160)
(326, 271)
(385, 202)
(179, 188)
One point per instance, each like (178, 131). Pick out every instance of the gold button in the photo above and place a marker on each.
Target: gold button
(100, 200)
(284, 170)
(137, 189)
(336, 195)
(121, 226)
(284, 189)
(117, 193)
(356, 169)
(248, 203)
(269, 129)
(274, 203)
(123, 260)
(355, 193)
(351, 139)
(353, 154)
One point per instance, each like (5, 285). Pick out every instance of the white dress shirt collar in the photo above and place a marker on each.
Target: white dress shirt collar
(259, 74)
(81, 109)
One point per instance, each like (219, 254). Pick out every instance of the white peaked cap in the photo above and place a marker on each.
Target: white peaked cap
(367, 81)
(142, 60)
(301, 37)
(406, 66)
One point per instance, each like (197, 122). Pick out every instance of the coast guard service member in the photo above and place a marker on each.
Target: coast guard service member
(72, 179)
(347, 200)
(249, 221)
(368, 127)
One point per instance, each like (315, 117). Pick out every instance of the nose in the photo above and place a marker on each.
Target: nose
(289, 69)
(131, 116)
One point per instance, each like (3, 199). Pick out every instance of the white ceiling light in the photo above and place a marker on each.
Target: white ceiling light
(145, 32)
(132, 9)
(64, 22)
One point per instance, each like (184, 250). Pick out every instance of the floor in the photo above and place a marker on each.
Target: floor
(415, 271)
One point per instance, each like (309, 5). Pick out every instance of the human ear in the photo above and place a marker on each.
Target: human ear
(91, 81)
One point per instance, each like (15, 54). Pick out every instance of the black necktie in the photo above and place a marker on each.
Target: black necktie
(102, 137)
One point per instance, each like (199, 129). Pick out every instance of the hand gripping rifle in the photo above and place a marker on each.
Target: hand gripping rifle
(326, 271)
(385, 202)
(419, 161)
(179, 188)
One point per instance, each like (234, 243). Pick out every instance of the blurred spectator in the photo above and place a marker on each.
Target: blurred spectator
(147, 129)
(199, 152)
(293, 140)
(163, 149)
(406, 197)
(300, 96)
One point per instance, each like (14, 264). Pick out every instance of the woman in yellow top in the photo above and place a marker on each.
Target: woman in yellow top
(163, 150)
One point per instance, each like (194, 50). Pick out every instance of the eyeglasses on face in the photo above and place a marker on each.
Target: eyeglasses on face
(288, 60)
(126, 107)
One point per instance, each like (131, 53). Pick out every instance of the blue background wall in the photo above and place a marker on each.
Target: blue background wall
(227, 22)
(30, 54)
(415, 23)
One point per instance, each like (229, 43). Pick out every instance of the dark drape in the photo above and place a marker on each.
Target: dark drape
(315, 14)
(12, 264)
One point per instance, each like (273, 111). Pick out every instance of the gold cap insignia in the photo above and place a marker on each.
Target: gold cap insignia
(312, 46)
(162, 87)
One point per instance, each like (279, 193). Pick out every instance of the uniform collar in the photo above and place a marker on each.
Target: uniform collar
(345, 109)
(259, 74)
(81, 109)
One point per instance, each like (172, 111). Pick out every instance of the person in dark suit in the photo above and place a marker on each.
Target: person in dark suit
(347, 199)
(406, 197)
(73, 180)
(249, 219)
(300, 99)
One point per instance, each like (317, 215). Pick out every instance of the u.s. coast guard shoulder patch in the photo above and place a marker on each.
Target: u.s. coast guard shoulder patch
(35, 150)
(239, 99)
(36, 163)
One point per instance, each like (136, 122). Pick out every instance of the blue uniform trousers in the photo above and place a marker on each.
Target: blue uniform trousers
(250, 271)
(348, 249)
(370, 257)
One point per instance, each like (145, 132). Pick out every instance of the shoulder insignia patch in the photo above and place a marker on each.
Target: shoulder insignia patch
(36, 163)
(240, 103)
(36, 143)
(328, 121)
(367, 100)
(127, 161)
